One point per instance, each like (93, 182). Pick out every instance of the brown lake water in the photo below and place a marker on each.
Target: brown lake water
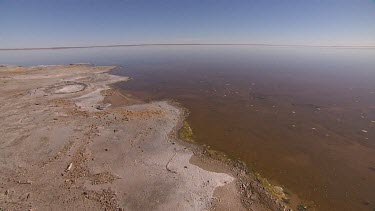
(304, 118)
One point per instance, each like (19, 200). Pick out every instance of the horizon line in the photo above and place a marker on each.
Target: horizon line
(188, 44)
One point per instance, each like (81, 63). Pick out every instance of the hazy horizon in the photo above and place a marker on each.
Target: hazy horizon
(43, 24)
(192, 44)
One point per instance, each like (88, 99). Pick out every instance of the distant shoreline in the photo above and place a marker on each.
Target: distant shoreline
(191, 44)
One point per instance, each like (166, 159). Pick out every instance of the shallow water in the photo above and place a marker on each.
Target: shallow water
(302, 117)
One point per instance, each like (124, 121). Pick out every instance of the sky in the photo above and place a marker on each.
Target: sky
(50, 23)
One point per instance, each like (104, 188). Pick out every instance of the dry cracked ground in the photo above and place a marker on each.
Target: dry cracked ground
(70, 142)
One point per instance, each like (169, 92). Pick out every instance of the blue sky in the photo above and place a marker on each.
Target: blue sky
(46, 23)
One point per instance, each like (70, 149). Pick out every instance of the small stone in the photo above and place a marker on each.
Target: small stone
(69, 167)
(99, 107)
(253, 197)
(279, 189)
(364, 131)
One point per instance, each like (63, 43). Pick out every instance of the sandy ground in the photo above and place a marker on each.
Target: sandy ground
(69, 142)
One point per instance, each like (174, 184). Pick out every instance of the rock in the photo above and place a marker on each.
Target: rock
(278, 189)
(99, 107)
(301, 207)
(254, 197)
(69, 167)
(27, 182)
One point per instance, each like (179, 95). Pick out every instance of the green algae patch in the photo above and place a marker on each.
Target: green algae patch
(272, 189)
(186, 133)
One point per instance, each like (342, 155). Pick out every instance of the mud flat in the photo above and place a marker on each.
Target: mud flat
(69, 141)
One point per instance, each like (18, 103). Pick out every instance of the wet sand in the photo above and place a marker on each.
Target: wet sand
(69, 141)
